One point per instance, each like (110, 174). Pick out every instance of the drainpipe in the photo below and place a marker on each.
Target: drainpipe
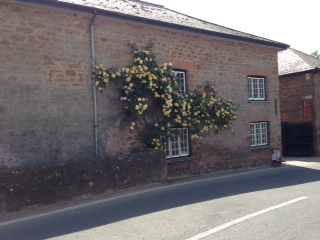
(93, 62)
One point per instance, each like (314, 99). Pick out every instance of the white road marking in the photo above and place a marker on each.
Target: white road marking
(236, 221)
(130, 194)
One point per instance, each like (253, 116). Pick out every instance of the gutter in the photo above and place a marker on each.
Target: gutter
(313, 70)
(94, 90)
(73, 7)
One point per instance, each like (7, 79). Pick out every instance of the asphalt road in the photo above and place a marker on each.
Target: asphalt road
(267, 203)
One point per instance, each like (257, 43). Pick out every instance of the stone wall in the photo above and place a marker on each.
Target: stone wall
(35, 186)
(46, 109)
(45, 91)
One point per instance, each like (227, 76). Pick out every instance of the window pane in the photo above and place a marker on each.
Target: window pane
(250, 88)
(256, 88)
(259, 133)
(181, 77)
(253, 135)
(261, 88)
(264, 133)
(178, 145)
(184, 142)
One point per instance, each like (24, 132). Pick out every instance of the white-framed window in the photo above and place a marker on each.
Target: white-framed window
(177, 145)
(257, 89)
(181, 77)
(259, 134)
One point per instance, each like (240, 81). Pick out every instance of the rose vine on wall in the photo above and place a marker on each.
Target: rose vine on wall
(154, 100)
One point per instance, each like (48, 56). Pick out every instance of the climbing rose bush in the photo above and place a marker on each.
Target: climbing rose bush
(153, 98)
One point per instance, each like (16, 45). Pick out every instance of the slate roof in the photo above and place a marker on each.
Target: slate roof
(157, 15)
(293, 61)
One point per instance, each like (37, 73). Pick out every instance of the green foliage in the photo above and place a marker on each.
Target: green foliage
(316, 54)
(154, 100)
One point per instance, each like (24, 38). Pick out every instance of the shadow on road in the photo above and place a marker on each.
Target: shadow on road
(295, 171)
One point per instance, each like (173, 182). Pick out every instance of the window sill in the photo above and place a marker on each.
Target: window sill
(179, 159)
(260, 147)
(258, 101)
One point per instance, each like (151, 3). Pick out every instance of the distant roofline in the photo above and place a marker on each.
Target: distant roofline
(294, 62)
(85, 9)
(314, 70)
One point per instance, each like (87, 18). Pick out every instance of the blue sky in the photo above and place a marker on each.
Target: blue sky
(295, 23)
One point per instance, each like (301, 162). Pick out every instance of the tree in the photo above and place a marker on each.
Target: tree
(154, 101)
(316, 54)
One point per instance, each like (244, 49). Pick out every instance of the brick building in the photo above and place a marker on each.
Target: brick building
(47, 98)
(299, 78)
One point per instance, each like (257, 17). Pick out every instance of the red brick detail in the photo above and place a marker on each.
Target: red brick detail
(185, 65)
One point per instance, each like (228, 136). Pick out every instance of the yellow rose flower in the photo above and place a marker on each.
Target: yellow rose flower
(145, 107)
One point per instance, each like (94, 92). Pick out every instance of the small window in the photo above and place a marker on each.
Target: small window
(178, 145)
(259, 134)
(257, 90)
(181, 77)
